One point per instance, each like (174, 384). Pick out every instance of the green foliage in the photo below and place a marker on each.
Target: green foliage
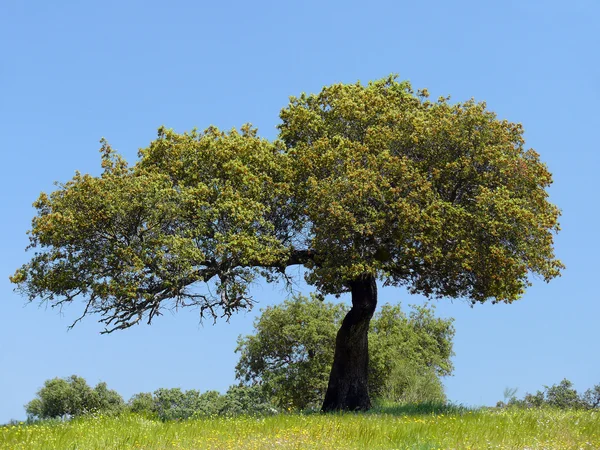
(175, 404)
(364, 179)
(290, 354)
(107, 400)
(591, 397)
(408, 354)
(246, 400)
(561, 395)
(142, 403)
(411, 383)
(443, 198)
(70, 397)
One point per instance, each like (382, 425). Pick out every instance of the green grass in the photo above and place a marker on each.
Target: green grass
(386, 427)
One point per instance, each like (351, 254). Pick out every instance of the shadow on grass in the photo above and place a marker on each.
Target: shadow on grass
(417, 409)
(404, 409)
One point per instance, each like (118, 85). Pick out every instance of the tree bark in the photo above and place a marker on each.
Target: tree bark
(348, 381)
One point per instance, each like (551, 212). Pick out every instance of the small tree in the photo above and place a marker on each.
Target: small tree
(409, 354)
(69, 397)
(142, 403)
(563, 395)
(289, 355)
(591, 397)
(107, 400)
(246, 400)
(412, 383)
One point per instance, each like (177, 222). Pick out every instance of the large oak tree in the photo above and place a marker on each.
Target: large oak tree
(365, 184)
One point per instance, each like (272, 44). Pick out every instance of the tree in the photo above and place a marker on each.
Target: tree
(562, 395)
(175, 404)
(72, 396)
(290, 353)
(365, 183)
(408, 354)
(591, 397)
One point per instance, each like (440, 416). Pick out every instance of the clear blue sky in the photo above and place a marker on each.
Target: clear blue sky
(73, 72)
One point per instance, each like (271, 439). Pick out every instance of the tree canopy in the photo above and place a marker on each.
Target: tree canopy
(364, 179)
(364, 183)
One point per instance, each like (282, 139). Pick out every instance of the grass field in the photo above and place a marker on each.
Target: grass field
(383, 428)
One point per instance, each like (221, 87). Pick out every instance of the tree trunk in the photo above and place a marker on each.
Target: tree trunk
(348, 381)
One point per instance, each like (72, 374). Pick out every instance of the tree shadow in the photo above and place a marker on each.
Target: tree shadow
(418, 409)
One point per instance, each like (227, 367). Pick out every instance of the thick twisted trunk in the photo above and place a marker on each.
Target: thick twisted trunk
(348, 381)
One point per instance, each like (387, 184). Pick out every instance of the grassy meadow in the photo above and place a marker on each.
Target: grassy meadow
(400, 427)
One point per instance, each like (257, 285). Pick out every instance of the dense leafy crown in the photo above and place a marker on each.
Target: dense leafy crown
(440, 197)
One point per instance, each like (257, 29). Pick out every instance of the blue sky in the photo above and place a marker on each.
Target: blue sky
(73, 72)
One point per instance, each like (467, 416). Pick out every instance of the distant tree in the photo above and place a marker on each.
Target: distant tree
(69, 397)
(107, 400)
(176, 404)
(246, 400)
(142, 403)
(171, 404)
(591, 397)
(562, 395)
(365, 183)
(289, 355)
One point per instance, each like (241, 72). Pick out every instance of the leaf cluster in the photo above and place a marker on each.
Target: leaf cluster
(363, 179)
(291, 351)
